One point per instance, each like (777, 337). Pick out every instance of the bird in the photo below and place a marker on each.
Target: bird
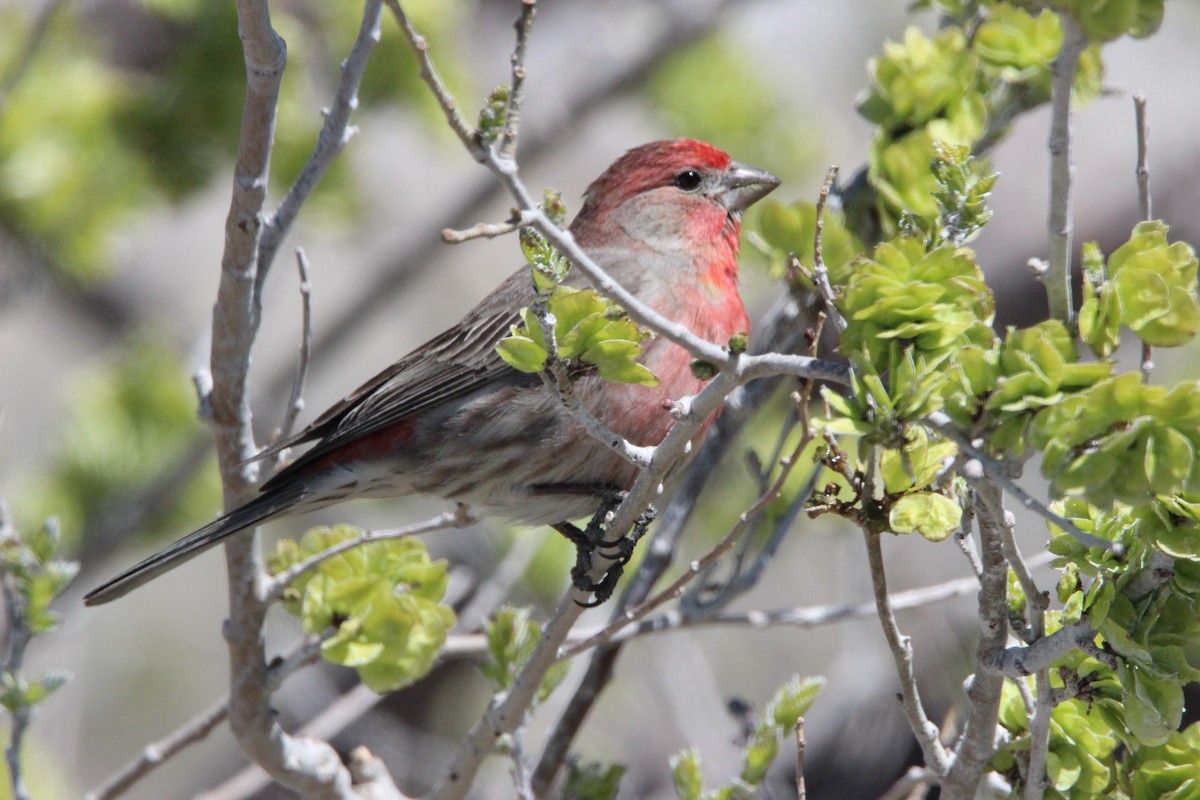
(453, 420)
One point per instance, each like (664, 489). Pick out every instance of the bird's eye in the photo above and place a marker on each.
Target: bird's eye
(688, 180)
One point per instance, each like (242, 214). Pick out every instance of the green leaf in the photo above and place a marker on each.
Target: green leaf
(685, 773)
(933, 515)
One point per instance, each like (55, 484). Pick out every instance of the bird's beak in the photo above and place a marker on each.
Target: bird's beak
(744, 186)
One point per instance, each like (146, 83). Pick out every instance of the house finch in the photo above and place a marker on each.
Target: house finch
(452, 419)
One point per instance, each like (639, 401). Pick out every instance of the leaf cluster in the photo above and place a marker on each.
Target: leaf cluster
(589, 333)
(1147, 285)
(382, 601)
(959, 87)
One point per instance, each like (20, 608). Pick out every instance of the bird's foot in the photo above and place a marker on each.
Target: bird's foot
(592, 540)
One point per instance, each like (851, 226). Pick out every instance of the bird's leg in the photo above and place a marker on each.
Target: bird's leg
(591, 539)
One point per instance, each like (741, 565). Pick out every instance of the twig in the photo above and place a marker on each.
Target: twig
(194, 730)
(801, 791)
(998, 471)
(484, 230)
(977, 744)
(674, 620)
(744, 523)
(1019, 662)
(1143, 157)
(276, 585)
(507, 146)
(936, 757)
(335, 717)
(820, 272)
(782, 329)
(1059, 223)
(336, 131)
(433, 80)
(296, 399)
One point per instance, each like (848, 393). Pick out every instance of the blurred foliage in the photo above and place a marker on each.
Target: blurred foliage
(96, 131)
(381, 599)
(765, 733)
(126, 425)
(712, 91)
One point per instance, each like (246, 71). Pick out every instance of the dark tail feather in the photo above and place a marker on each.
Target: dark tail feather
(257, 510)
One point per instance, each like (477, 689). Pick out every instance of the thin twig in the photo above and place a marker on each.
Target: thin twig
(820, 271)
(801, 791)
(998, 471)
(556, 378)
(156, 754)
(507, 146)
(296, 399)
(745, 521)
(461, 517)
(673, 620)
(1145, 208)
(936, 757)
(429, 74)
(335, 133)
(1059, 223)
(484, 230)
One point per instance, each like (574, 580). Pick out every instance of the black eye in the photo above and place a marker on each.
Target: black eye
(688, 180)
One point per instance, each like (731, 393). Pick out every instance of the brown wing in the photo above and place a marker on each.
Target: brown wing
(456, 362)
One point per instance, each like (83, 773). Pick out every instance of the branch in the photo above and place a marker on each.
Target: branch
(433, 80)
(977, 744)
(936, 757)
(335, 133)
(308, 766)
(507, 146)
(998, 471)
(1059, 224)
(296, 399)
(820, 272)
(158, 753)
(1020, 662)
(1143, 159)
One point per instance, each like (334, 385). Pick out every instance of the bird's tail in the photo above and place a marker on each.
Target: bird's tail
(257, 510)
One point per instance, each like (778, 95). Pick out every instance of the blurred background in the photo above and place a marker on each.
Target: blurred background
(118, 124)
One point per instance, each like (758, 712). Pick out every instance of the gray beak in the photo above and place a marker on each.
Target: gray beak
(744, 186)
